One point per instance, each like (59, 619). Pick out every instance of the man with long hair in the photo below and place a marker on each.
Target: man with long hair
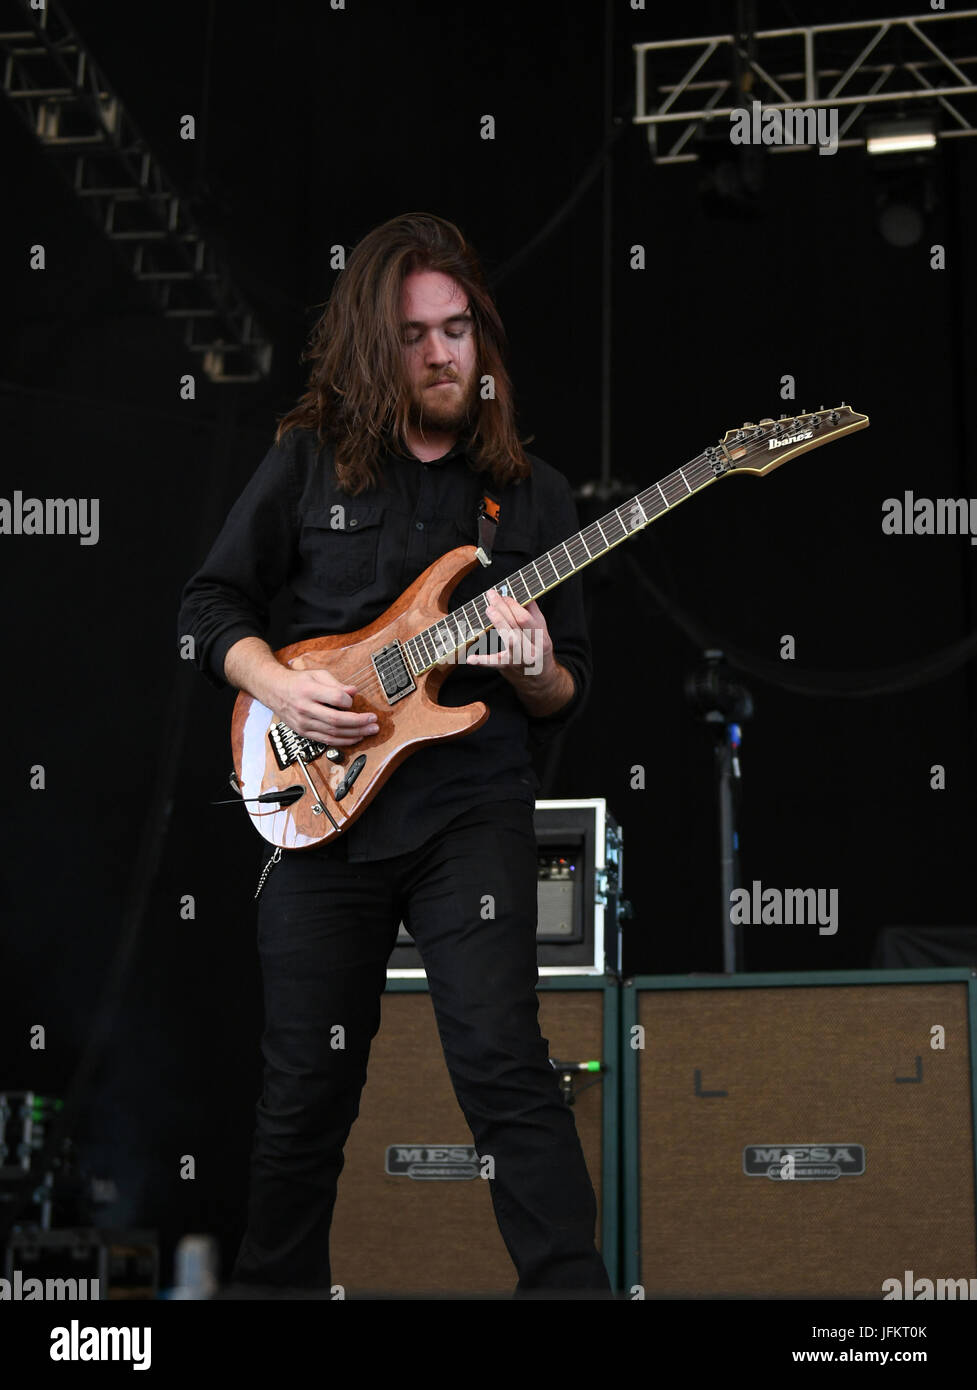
(407, 421)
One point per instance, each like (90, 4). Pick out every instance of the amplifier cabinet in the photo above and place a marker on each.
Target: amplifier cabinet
(799, 1136)
(413, 1215)
(580, 865)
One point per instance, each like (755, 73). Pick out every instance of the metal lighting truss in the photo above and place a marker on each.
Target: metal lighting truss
(76, 117)
(872, 63)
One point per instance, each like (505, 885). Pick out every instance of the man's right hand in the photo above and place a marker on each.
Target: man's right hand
(317, 706)
(311, 701)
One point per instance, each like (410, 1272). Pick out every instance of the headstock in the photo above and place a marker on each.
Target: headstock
(762, 447)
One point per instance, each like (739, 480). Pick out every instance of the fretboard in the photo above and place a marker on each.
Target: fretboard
(464, 624)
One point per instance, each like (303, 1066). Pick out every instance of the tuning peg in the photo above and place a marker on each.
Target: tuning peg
(749, 425)
(767, 421)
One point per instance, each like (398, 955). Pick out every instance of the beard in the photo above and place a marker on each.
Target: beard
(446, 410)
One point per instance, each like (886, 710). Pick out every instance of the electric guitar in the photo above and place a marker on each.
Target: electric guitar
(300, 793)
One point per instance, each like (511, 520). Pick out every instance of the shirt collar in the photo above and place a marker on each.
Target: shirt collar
(459, 449)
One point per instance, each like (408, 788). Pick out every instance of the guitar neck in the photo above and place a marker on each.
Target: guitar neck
(463, 625)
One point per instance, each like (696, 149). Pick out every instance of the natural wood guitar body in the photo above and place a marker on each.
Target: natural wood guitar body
(407, 724)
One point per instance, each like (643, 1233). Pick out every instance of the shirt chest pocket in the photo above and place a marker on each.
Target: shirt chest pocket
(342, 544)
(513, 549)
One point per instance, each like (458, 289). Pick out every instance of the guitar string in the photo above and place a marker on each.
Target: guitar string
(574, 544)
(579, 542)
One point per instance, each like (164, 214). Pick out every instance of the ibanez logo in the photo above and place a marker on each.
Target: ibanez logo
(790, 439)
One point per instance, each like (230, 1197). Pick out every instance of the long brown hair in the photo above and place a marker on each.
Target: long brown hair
(358, 395)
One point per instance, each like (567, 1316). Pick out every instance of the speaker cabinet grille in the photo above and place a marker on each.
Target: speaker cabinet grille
(723, 1069)
(398, 1234)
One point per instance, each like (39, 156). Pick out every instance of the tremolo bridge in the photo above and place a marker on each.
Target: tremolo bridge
(290, 747)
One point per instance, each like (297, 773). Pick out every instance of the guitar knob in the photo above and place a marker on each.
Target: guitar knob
(334, 755)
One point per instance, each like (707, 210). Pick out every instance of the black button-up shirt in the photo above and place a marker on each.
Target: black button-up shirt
(344, 560)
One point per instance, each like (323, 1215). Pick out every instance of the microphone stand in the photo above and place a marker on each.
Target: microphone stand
(722, 704)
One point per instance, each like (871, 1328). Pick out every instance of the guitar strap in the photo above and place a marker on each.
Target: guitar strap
(486, 520)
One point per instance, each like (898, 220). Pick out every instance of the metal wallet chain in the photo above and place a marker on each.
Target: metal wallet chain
(267, 870)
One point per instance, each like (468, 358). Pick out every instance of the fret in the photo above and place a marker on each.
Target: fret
(636, 504)
(614, 521)
(548, 559)
(462, 625)
(674, 492)
(517, 578)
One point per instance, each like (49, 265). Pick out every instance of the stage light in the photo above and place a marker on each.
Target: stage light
(900, 137)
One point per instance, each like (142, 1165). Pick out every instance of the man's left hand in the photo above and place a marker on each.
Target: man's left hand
(527, 648)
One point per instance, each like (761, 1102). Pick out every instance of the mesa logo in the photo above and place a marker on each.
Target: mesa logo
(804, 1162)
(789, 439)
(438, 1162)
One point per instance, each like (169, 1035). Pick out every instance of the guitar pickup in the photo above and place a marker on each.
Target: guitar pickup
(356, 767)
(391, 668)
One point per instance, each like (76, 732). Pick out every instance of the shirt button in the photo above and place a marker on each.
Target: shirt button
(419, 525)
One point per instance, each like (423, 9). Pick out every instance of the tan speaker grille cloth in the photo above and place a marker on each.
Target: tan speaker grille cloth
(399, 1234)
(804, 1066)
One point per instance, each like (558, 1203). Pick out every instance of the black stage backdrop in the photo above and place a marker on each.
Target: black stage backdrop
(313, 126)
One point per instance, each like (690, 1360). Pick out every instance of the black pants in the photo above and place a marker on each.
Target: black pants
(325, 932)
